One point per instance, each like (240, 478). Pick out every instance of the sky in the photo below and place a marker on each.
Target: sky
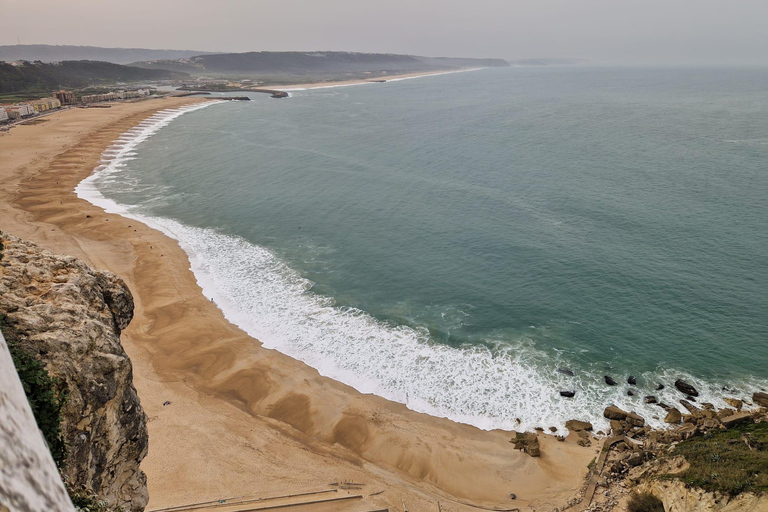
(629, 32)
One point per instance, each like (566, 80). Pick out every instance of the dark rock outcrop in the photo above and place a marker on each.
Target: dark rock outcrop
(71, 316)
(609, 380)
(567, 393)
(685, 388)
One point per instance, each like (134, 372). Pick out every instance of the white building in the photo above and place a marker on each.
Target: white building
(3, 115)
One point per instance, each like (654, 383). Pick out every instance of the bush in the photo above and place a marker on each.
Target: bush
(645, 502)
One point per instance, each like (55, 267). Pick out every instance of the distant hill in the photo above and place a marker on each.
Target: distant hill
(43, 78)
(50, 53)
(312, 64)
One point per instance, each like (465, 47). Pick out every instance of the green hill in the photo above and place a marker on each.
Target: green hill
(38, 77)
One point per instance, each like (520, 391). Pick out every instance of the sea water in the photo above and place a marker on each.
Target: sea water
(450, 242)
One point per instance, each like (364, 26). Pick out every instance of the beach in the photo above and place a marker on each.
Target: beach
(359, 81)
(241, 419)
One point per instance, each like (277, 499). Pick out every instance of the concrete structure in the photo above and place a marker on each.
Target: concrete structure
(3, 115)
(29, 480)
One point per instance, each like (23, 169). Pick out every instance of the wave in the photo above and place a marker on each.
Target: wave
(495, 386)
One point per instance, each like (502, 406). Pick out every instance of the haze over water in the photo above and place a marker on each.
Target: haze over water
(450, 241)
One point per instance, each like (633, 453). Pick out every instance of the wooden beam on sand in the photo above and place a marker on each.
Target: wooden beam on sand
(240, 500)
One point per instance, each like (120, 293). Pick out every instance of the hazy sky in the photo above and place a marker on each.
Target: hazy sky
(694, 32)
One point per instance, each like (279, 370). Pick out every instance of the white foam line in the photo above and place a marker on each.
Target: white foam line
(114, 156)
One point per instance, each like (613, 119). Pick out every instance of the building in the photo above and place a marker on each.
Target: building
(20, 110)
(45, 104)
(115, 95)
(3, 115)
(65, 97)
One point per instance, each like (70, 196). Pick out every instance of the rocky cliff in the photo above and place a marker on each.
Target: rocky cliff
(71, 316)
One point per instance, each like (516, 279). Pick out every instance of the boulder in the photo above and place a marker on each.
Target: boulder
(578, 426)
(760, 399)
(734, 402)
(614, 413)
(736, 419)
(609, 380)
(635, 459)
(617, 427)
(723, 413)
(659, 387)
(695, 411)
(632, 380)
(635, 419)
(685, 388)
(673, 416)
(630, 392)
(567, 394)
(566, 371)
(650, 399)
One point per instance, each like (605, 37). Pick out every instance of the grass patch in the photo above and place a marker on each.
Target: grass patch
(645, 502)
(730, 461)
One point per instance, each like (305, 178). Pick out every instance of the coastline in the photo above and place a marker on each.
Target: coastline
(362, 81)
(244, 419)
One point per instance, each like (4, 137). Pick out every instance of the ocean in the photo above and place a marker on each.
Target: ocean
(451, 242)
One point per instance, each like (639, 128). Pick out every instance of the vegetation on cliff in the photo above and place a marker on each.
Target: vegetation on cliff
(729, 461)
(45, 394)
(37, 77)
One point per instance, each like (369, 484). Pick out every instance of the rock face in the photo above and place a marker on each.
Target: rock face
(72, 316)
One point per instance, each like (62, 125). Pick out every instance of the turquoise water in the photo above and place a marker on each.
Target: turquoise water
(450, 241)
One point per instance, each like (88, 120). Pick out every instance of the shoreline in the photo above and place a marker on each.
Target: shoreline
(243, 418)
(363, 81)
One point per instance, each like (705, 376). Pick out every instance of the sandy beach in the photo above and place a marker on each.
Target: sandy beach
(339, 83)
(244, 420)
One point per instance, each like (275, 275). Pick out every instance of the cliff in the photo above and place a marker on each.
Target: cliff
(71, 317)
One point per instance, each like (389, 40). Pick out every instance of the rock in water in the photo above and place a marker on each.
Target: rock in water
(650, 399)
(71, 316)
(609, 381)
(760, 399)
(659, 387)
(614, 413)
(568, 394)
(685, 388)
(566, 371)
(632, 380)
